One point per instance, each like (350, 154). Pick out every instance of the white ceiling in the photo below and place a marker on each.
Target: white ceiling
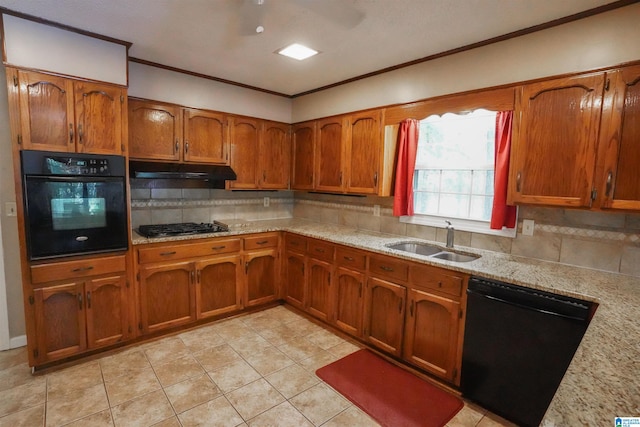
(354, 37)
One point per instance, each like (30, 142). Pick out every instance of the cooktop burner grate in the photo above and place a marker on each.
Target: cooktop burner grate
(162, 230)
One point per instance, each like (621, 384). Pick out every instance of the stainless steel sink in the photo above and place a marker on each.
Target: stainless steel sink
(432, 251)
(452, 256)
(416, 248)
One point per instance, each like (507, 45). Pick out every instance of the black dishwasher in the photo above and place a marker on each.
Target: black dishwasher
(518, 343)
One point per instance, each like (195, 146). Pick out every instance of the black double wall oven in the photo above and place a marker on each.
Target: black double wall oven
(74, 203)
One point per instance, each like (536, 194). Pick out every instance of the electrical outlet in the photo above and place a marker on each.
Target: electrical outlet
(266, 202)
(527, 227)
(376, 210)
(11, 209)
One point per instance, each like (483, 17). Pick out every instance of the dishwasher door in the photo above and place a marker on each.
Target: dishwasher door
(518, 343)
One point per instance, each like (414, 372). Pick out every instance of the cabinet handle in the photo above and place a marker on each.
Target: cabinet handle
(411, 309)
(199, 275)
(186, 147)
(193, 276)
(177, 146)
(518, 181)
(80, 133)
(264, 176)
(167, 253)
(89, 299)
(320, 250)
(70, 133)
(217, 248)
(348, 258)
(375, 179)
(340, 177)
(609, 182)
(385, 268)
(246, 267)
(262, 242)
(79, 269)
(360, 291)
(400, 305)
(439, 284)
(80, 301)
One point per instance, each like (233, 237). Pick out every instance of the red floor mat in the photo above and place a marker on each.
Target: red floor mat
(390, 395)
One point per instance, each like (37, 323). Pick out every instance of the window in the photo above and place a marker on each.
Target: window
(454, 171)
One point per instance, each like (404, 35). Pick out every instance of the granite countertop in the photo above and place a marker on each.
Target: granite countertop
(603, 380)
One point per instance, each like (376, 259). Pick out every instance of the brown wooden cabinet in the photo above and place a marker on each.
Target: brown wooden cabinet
(384, 315)
(329, 156)
(78, 306)
(60, 114)
(619, 151)
(259, 154)
(363, 153)
(554, 143)
(167, 295)
(163, 131)
(318, 301)
(155, 130)
(295, 281)
(218, 285)
(348, 300)
(303, 143)
(262, 274)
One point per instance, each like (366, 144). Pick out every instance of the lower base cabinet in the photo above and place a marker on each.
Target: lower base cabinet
(384, 315)
(218, 286)
(261, 270)
(295, 281)
(348, 300)
(318, 302)
(76, 312)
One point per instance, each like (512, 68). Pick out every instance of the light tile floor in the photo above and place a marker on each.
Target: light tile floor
(253, 370)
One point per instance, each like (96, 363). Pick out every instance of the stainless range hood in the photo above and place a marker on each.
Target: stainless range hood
(161, 170)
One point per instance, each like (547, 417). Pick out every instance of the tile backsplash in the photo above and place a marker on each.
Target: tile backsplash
(599, 240)
(172, 205)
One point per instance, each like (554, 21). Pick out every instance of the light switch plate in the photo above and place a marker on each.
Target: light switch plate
(11, 209)
(376, 210)
(266, 202)
(527, 227)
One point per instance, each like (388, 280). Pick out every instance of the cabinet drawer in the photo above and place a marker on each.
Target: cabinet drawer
(75, 269)
(320, 250)
(388, 267)
(210, 247)
(258, 242)
(296, 243)
(351, 259)
(436, 279)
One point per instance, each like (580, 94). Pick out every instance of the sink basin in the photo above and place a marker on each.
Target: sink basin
(416, 248)
(452, 256)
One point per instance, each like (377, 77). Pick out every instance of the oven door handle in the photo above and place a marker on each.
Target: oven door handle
(74, 178)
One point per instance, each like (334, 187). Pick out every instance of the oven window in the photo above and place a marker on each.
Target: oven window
(75, 206)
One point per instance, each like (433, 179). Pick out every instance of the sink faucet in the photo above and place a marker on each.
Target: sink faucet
(450, 231)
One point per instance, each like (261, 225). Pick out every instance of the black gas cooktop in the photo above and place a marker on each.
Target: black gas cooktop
(162, 230)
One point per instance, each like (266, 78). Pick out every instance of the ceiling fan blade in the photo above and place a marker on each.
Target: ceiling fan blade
(338, 11)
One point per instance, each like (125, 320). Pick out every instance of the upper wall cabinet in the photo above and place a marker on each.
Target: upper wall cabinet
(303, 140)
(619, 152)
(352, 156)
(60, 114)
(555, 137)
(161, 131)
(260, 154)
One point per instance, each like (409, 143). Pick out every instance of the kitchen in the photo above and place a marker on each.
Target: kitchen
(561, 235)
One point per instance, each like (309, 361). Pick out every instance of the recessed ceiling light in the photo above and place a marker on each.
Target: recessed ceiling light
(297, 51)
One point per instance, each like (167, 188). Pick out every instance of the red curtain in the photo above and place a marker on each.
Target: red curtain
(502, 215)
(406, 164)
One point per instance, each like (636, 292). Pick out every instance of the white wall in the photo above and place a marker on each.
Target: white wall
(599, 41)
(169, 86)
(32, 45)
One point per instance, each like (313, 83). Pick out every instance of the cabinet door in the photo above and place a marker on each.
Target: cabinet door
(348, 298)
(554, 141)
(619, 147)
(363, 152)
(46, 112)
(167, 295)
(261, 276)
(431, 339)
(99, 122)
(384, 315)
(331, 134)
(318, 289)
(303, 163)
(205, 137)
(60, 321)
(107, 308)
(295, 280)
(155, 130)
(244, 135)
(218, 286)
(275, 156)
